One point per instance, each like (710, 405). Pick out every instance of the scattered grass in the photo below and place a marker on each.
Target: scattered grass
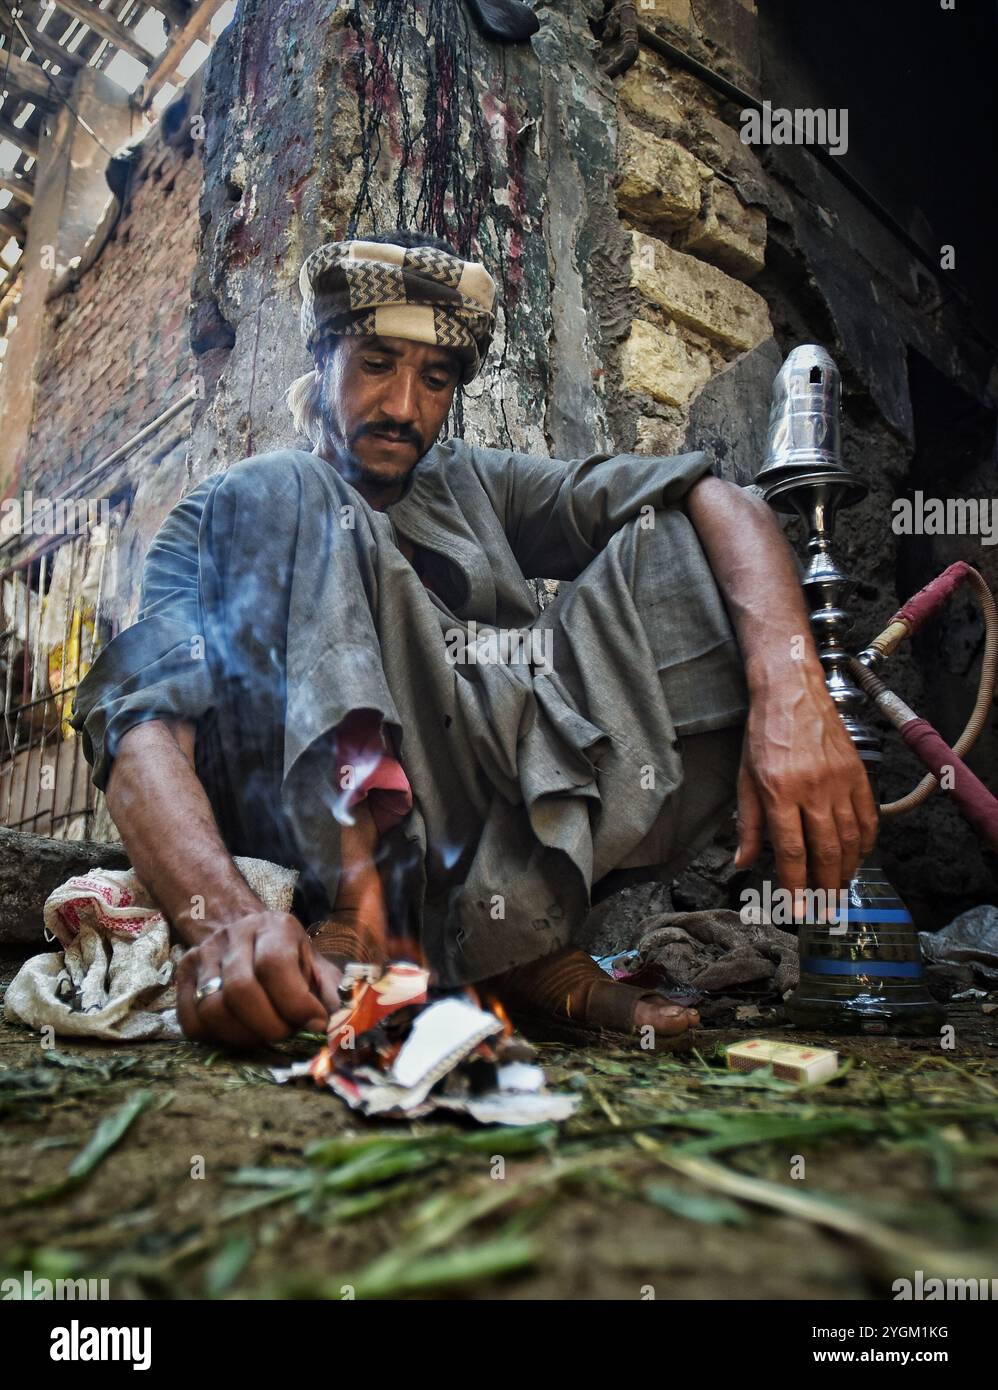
(106, 1137)
(57, 1079)
(418, 1209)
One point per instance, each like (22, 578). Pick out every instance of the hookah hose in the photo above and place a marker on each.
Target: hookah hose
(971, 796)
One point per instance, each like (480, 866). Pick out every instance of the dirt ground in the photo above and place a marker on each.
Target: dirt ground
(675, 1178)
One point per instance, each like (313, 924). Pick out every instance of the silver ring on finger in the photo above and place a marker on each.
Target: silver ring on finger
(211, 986)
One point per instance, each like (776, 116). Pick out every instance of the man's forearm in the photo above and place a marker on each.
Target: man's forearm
(757, 576)
(801, 778)
(170, 834)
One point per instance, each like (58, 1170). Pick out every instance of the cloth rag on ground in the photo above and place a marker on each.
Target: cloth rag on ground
(715, 952)
(113, 979)
(965, 953)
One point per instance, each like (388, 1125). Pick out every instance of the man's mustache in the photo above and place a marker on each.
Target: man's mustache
(403, 434)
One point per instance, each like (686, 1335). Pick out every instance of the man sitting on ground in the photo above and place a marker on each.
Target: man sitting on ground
(321, 675)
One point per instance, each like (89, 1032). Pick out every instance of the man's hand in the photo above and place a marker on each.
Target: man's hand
(800, 774)
(802, 777)
(273, 982)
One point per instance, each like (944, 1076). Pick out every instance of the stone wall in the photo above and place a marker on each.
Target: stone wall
(739, 255)
(116, 350)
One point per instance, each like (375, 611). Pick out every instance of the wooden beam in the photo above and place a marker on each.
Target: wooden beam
(46, 46)
(201, 16)
(10, 292)
(105, 24)
(24, 139)
(28, 81)
(21, 185)
(11, 227)
(11, 289)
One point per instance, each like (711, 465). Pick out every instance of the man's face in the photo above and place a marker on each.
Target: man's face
(384, 402)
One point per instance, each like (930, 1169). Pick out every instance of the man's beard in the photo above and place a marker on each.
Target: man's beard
(353, 467)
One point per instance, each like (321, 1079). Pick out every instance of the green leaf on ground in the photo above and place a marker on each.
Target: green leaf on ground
(227, 1265)
(106, 1136)
(110, 1132)
(696, 1206)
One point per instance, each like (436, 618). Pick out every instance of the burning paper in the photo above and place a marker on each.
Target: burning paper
(393, 1053)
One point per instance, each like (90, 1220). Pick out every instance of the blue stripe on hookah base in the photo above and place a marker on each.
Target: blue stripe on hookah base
(862, 916)
(877, 914)
(814, 965)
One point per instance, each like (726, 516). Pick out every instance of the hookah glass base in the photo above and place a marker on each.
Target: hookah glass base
(863, 974)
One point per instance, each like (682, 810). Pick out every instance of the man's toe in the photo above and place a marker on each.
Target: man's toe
(666, 1018)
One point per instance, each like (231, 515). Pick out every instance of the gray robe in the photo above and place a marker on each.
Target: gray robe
(275, 600)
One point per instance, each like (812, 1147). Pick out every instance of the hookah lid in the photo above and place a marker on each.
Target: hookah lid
(804, 445)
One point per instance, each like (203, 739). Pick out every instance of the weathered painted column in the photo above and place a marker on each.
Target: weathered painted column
(329, 120)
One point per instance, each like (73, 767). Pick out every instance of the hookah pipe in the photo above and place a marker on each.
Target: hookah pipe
(945, 764)
(864, 974)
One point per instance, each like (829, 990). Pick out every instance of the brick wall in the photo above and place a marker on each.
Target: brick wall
(117, 344)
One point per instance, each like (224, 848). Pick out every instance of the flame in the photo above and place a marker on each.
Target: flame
(494, 1005)
(321, 1065)
(491, 1005)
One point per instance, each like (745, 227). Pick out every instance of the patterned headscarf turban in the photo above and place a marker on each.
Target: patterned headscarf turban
(429, 296)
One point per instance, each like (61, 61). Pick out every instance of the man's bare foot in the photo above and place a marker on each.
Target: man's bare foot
(670, 1019)
(568, 988)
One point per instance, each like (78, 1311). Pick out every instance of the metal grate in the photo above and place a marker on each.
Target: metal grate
(53, 626)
